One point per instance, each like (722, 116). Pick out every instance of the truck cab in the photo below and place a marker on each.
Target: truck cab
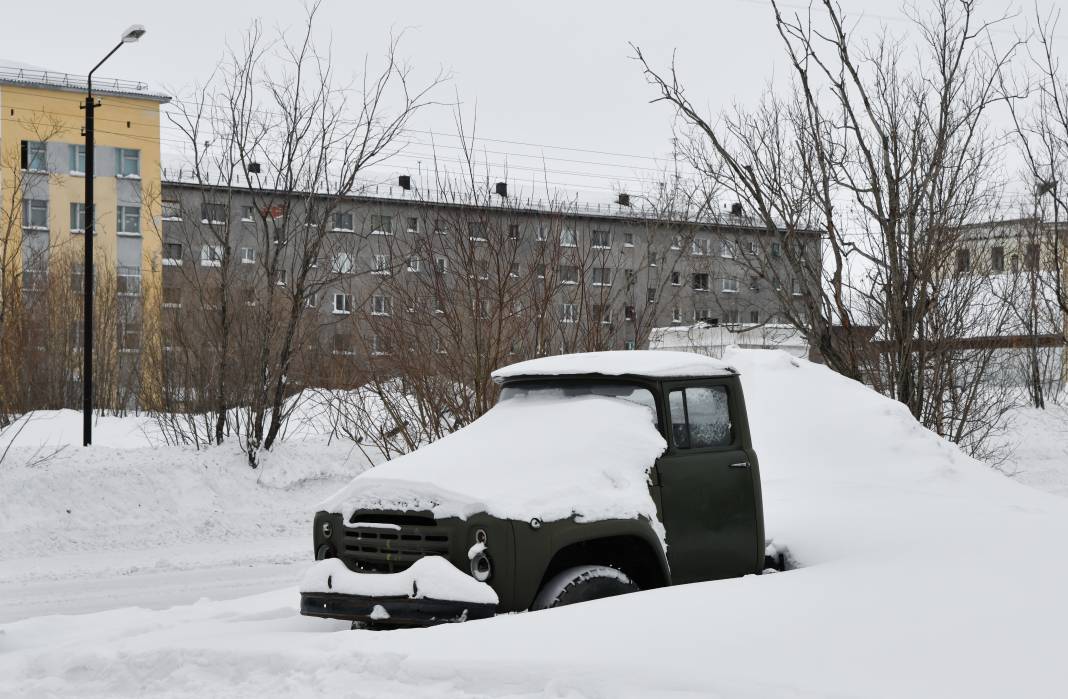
(595, 474)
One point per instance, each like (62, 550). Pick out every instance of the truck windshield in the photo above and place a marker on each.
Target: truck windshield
(568, 389)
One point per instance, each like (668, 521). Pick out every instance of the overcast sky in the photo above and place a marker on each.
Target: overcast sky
(554, 74)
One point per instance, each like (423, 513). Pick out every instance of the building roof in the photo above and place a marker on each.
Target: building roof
(26, 75)
(656, 364)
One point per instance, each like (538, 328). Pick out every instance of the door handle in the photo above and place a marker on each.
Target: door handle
(740, 464)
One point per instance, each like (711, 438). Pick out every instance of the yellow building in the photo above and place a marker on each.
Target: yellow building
(42, 181)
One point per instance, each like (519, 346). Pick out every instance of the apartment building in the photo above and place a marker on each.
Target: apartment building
(372, 272)
(42, 215)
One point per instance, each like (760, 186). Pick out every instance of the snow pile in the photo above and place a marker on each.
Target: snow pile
(431, 577)
(530, 456)
(618, 363)
(925, 574)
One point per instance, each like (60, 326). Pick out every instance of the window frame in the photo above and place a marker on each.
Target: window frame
(121, 159)
(169, 260)
(77, 156)
(732, 410)
(121, 213)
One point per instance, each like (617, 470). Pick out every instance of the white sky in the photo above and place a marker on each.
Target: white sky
(551, 73)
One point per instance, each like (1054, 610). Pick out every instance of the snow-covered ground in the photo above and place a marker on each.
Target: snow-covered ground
(924, 573)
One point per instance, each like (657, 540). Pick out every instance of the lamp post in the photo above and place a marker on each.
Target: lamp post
(128, 37)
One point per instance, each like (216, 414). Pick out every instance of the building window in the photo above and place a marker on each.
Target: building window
(343, 222)
(601, 239)
(752, 247)
(650, 295)
(754, 317)
(1032, 257)
(413, 264)
(381, 264)
(725, 250)
(77, 159)
(378, 346)
(676, 279)
(128, 280)
(513, 269)
(676, 315)
(342, 303)
(730, 285)
(568, 238)
(248, 256)
(795, 286)
(997, 258)
(381, 225)
(628, 240)
(172, 254)
(440, 227)
(541, 234)
(172, 296)
(77, 218)
(34, 156)
(539, 271)
(211, 256)
(754, 283)
(441, 264)
(129, 338)
(568, 274)
(652, 258)
(381, 305)
(568, 313)
(342, 263)
(476, 231)
(172, 211)
(212, 213)
(281, 277)
(701, 314)
(247, 214)
(776, 249)
(603, 314)
(129, 220)
(699, 246)
(964, 260)
(676, 242)
(128, 162)
(513, 231)
(629, 345)
(341, 343)
(700, 282)
(731, 316)
(412, 224)
(311, 300)
(35, 214)
(601, 276)
(628, 312)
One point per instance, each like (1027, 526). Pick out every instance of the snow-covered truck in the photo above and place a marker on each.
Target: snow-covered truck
(595, 474)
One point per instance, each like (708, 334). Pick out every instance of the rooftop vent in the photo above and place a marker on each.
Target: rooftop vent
(623, 199)
(501, 188)
(404, 182)
(736, 209)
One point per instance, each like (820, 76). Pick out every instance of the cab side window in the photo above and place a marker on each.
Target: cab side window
(700, 417)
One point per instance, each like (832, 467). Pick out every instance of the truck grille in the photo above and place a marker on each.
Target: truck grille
(383, 549)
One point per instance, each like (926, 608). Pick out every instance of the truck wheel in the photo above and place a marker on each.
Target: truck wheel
(581, 584)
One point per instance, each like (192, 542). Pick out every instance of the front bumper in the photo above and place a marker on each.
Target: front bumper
(431, 591)
(391, 611)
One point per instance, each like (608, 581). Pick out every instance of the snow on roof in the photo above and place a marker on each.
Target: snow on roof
(659, 364)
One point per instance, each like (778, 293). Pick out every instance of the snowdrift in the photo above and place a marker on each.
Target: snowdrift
(925, 573)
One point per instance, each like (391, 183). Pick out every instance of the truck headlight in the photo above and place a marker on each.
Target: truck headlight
(481, 567)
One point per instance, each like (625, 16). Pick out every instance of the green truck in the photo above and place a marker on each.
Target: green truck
(595, 474)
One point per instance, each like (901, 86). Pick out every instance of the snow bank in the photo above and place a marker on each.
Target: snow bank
(618, 363)
(529, 456)
(1036, 442)
(431, 577)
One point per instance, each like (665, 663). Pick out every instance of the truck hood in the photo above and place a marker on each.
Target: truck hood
(586, 457)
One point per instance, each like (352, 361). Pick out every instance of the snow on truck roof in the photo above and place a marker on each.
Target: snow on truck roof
(653, 363)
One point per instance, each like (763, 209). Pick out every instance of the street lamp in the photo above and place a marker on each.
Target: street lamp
(128, 37)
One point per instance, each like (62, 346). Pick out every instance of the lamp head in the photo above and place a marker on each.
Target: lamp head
(134, 33)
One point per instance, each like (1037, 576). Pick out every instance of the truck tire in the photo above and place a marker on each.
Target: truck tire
(581, 584)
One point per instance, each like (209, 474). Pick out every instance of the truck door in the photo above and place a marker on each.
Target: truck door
(708, 498)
